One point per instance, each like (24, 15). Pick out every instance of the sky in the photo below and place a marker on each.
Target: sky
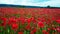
(41, 3)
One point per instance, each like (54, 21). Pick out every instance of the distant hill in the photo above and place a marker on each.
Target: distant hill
(21, 6)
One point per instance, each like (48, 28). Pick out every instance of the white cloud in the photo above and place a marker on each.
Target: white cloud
(31, 3)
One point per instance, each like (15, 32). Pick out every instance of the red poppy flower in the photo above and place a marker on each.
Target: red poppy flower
(48, 21)
(28, 27)
(58, 21)
(48, 29)
(34, 30)
(12, 20)
(45, 32)
(41, 19)
(53, 28)
(22, 20)
(31, 32)
(32, 18)
(40, 24)
(29, 20)
(58, 29)
(4, 21)
(3, 24)
(34, 21)
(20, 32)
(14, 26)
(53, 18)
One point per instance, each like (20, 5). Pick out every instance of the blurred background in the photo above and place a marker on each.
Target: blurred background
(41, 3)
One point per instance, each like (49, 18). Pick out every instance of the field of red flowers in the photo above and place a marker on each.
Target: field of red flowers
(29, 21)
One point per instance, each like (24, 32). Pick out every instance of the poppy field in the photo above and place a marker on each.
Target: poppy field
(29, 20)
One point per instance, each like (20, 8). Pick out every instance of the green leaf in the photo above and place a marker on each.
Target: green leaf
(12, 32)
(51, 31)
(25, 32)
(40, 31)
(37, 32)
(2, 31)
(1, 28)
(17, 15)
(29, 16)
(1, 21)
(8, 29)
(20, 26)
(28, 32)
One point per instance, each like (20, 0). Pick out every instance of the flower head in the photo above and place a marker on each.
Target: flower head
(12, 20)
(20, 32)
(14, 26)
(31, 32)
(58, 21)
(28, 27)
(58, 29)
(34, 30)
(4, 20)
(40, 24)
(45, 32)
